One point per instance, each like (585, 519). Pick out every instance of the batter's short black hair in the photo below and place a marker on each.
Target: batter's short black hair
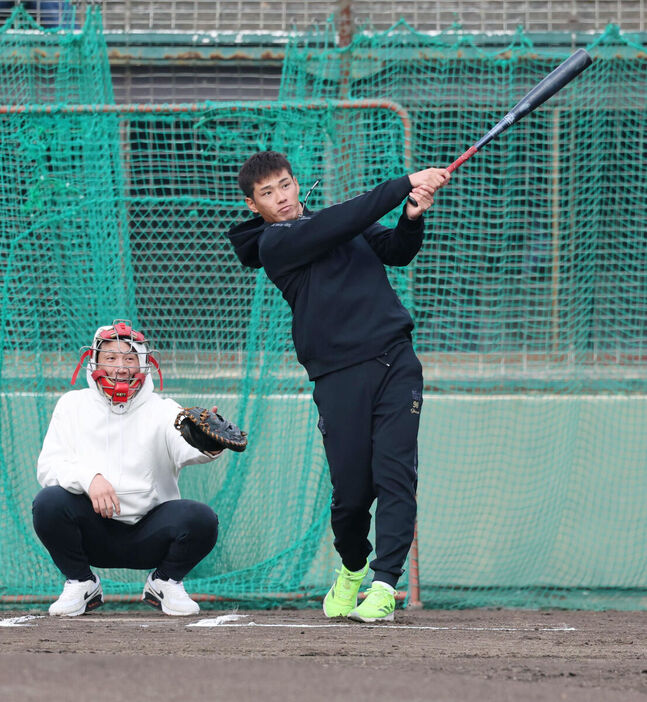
(258, 167)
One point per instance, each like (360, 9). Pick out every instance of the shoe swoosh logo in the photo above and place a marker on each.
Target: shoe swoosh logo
(159, 593)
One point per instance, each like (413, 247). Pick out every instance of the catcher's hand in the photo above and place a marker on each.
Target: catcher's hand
(208, 431)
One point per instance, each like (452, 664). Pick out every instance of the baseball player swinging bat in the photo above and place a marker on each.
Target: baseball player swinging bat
(546, 88)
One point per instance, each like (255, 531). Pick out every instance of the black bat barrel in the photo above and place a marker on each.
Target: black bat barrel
(546, 88)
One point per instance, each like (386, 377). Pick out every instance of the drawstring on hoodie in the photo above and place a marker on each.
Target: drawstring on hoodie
(305, 199)
(115, 479)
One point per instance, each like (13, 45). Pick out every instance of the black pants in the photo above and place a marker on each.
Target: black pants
(369, 415)
(173, 537)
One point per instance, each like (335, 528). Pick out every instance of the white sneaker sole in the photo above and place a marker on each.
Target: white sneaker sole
(154, 601)
(369, 620)
(92, 603)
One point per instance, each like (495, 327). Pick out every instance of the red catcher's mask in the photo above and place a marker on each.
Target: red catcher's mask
(119, 391)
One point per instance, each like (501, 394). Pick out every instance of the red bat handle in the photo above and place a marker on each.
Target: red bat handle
(452, 167)
(461, 159)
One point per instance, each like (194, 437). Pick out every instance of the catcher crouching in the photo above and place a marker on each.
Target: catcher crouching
(109, 469)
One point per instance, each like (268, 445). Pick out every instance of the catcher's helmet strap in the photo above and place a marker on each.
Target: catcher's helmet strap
(84, 355)
(155, 362)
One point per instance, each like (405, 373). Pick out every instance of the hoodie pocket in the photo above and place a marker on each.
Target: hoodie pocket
(137, 503)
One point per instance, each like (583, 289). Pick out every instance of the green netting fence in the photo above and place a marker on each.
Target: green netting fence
(530, 300)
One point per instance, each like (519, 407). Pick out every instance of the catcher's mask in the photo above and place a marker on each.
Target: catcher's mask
(119, 390)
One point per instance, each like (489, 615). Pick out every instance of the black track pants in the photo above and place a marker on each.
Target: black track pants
(369, 415)
(173, 537)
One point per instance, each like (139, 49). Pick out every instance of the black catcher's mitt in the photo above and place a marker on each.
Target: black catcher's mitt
(208, 431)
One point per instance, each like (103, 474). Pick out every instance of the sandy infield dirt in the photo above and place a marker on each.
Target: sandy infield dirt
(435, 656)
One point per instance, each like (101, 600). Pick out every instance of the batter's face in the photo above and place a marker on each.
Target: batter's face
(276, 198)
(118, 360)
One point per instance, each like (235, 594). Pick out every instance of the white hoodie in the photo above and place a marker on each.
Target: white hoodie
(138, 451)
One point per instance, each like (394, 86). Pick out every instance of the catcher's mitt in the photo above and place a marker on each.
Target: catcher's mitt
(208, 431)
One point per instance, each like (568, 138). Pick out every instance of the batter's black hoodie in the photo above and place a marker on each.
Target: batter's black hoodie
(329, 265)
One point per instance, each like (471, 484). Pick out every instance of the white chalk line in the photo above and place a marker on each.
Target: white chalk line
(20, 621)
(228, 621)
(384, 626)
(233, 620)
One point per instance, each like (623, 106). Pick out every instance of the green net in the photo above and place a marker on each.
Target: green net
(529, 299)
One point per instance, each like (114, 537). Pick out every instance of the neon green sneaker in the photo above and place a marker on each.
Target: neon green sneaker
(342, 596)
(378, 605)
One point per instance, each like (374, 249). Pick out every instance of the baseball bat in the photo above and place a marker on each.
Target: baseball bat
(546, 88)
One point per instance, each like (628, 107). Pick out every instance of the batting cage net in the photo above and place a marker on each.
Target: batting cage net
(529, 300)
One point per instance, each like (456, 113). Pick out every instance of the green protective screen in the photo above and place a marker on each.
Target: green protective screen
(529, 298)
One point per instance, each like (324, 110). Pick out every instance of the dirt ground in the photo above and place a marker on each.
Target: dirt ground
(435, 656)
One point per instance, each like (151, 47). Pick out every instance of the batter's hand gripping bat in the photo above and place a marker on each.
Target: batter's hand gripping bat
(546, 88)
